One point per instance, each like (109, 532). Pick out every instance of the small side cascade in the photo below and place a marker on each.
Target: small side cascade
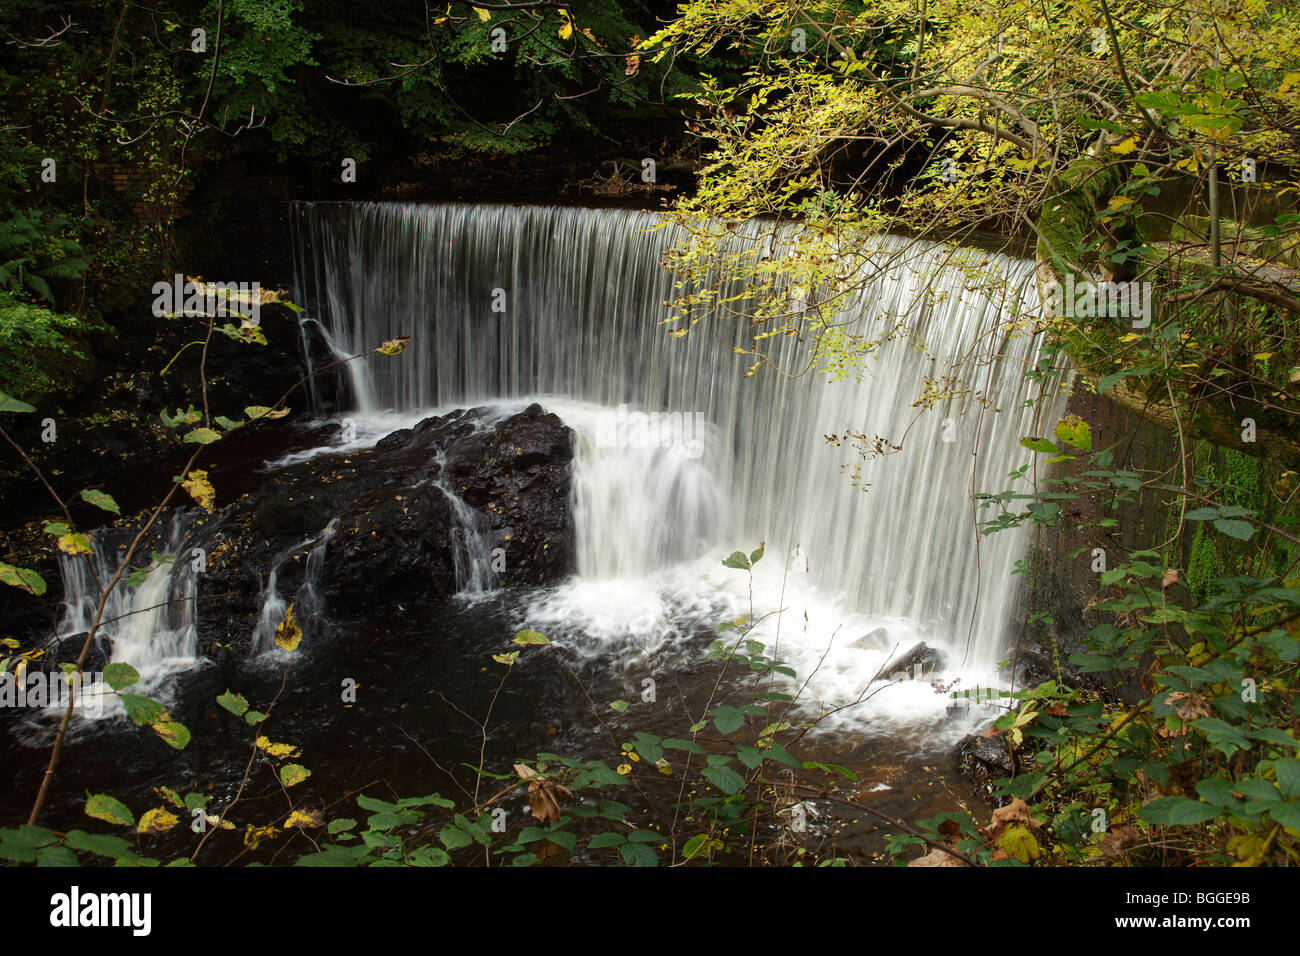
(308, 603)
(152, 626)
(471, 543)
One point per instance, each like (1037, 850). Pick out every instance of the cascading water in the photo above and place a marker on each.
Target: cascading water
(307, 601)
(151, 626)
(582, 330)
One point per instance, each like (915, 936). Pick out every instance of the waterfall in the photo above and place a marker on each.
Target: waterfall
(151, 626)
(567, 305)
(307, 602)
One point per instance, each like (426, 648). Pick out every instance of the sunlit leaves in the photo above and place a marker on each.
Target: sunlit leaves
(200, 489)
(109, 809)
(293, 774)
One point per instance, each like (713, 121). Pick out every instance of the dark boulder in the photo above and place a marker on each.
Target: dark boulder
(392, 539)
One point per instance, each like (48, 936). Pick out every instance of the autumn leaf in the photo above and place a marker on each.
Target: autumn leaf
(483, 15)
(1126, 145)
(74, 543)
(293, 774)
(304, 819)
(157, 820)
(1169, 580)
(1117, 840)
(200, 489)
(937, 858)
(288, 634)
(278, 751)
(633, 65)
(255, 835)
(394, 346)
(543, 795)
(1019, 844)
(255, 412)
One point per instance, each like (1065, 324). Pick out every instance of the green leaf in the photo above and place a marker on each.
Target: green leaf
(1287, 814)
(618, 705)
(638, 854)
(690, 746)
(235, 703)
(118, 676)
(293, 774)
(1075, 431)
(1114, 378)
(22, 578)
(340, 824)
(10, 404)
(56, 856)
(603, 840)
(100, 844)
(453, 837)
(736, 560)
(109, 809)
(727, 719)
(1040, 445)
(530, 637)
(1241, 530)
(173, 732)
(142, 710)
(1215, 790)
(757, 554)
(1287, 772)
(254, 717)
(725, 779)
(1177, 811)
(202, 436)
(100, 500)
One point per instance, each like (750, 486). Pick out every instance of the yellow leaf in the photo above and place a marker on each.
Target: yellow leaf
(1126, 145)
(278, 751)
(74, 543)
(200, 489)
(394, 346)
(157, 820)
(288, 634)
(302, 819)
(1263, 356)
(1019, 844)
(566, 31)
(1119, 202)
(482, 14)
(255, 835)
(1132, 336)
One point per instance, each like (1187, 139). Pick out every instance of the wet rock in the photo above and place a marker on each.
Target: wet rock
(928, 657)
(392, 543)
(984, 759)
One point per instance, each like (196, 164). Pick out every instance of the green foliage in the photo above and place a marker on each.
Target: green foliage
(40, 350)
